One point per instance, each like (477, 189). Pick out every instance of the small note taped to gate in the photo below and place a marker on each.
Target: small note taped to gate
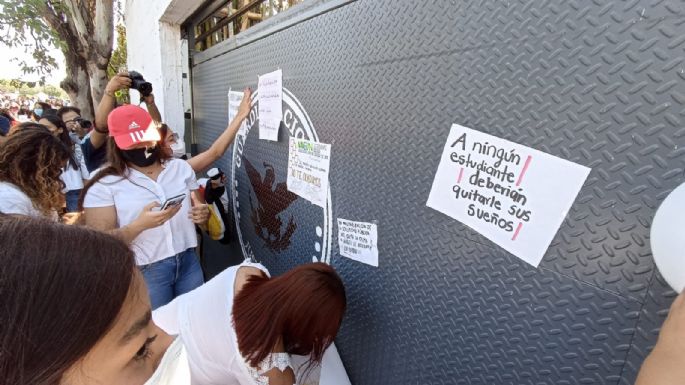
(234, 99)
(270, 97)
(358, 241)
(514, 195)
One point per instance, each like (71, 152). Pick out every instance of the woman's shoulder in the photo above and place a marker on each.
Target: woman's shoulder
(246, 270)
(11, 191)
(177, 163)
(14, 201)
(107, 179)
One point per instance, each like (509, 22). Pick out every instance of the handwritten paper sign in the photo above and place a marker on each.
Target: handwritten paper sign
(308, 165)
(514, 195)
(270, 96)
(358, 241)
(234, 99)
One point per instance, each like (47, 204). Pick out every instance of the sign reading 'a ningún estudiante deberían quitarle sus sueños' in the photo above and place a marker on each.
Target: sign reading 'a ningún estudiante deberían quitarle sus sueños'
(513, 195)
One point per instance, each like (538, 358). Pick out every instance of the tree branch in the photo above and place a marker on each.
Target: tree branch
(80, 22)
(104, 29)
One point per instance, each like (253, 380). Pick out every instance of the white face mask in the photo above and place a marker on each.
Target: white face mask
(179, 149)
(174, 368)
(74, 137)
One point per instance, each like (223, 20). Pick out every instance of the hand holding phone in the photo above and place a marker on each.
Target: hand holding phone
(173, 201)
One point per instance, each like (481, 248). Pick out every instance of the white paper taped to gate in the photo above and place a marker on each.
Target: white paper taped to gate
(308, 165)
(358, 241)
(270, 96)
(234, 99)
(514, 195)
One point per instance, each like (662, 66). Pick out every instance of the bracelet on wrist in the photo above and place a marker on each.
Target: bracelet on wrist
(104, 132)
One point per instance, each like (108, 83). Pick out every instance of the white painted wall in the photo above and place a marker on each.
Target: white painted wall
(155, 49)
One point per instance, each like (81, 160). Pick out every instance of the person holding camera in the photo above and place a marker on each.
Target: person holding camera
(77, 126)
(144, 197)
(93, 146)
(199, 162)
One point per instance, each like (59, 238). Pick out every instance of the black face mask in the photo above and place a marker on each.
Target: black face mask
(141, 157)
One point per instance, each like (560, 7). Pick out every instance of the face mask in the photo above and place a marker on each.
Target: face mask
(141, 157)
(74, 137)
(38, 111)
(178, 150)
(174, 368)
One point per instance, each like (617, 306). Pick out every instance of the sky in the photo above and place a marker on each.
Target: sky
(11, 70)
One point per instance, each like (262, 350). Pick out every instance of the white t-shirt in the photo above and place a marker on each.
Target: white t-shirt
(131, 193)
(203, 319)
(14, 201)
(73, 178)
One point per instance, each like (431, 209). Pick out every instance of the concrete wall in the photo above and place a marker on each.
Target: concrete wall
(156, 50)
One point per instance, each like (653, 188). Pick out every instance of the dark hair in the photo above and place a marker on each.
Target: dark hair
(304, 306)
(163, 132)
(47, 109)
(63, 136)
(116, 165)
(43, 105)
(66, 109)
(32, 159)
(57, 300)
(4, 112)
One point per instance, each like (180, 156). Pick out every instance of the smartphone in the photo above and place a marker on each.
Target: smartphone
(173, 201)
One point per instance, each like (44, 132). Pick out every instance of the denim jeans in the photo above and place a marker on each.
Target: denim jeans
(72, 200)
(171, 277)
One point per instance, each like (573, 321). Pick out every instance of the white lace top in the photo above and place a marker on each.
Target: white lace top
(273, 360)
(203, 319)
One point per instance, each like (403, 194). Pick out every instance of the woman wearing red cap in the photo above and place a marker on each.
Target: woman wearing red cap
(127, 198)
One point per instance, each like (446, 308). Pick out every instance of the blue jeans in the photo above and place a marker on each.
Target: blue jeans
(72, 200)
(171, 277)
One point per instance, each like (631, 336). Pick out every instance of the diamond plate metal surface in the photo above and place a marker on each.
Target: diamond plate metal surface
(599, 83)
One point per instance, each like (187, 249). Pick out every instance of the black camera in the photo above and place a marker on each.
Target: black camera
(87, 124)
(139, 84)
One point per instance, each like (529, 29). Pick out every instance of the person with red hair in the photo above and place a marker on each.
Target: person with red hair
(242, 326)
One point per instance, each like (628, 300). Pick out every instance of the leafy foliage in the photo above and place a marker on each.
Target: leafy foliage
(30, 88)
(118, 62)
(23, 25)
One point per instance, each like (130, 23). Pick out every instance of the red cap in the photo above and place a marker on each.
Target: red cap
(130, 125)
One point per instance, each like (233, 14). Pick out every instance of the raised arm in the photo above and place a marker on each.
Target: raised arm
(152, 108)
(203, 160)
(98, 136)
(665, 365)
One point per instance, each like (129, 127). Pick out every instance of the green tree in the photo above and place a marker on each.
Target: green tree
(52, 90)
(118, 61)
(81, 29)
(120, 54)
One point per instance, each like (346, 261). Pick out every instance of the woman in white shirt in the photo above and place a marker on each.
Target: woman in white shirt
(76, 172)
(242, 327)
(88, 311)
(125, 198)
(31, 163)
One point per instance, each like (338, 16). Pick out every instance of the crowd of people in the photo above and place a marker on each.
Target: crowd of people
(23, 108)
(100, 282)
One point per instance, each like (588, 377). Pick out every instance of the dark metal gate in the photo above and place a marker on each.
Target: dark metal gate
(599, 83)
